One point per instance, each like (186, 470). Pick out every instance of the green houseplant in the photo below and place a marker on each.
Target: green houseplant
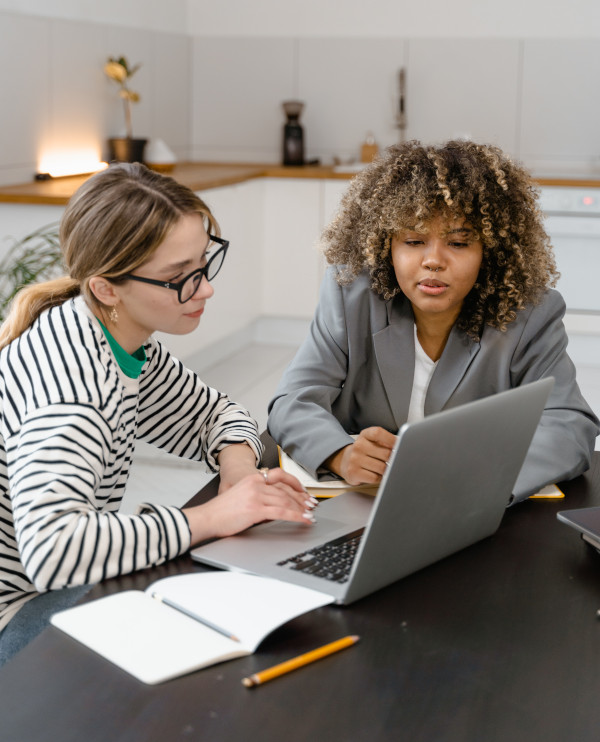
(35, 257)
(128, 148)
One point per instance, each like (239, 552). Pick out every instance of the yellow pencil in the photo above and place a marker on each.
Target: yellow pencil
(304, 659)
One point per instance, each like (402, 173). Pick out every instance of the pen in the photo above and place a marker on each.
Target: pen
(189, 614)
(304, 659)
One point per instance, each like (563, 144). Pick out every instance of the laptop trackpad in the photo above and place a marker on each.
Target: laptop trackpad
(277, 540)
(296, 533)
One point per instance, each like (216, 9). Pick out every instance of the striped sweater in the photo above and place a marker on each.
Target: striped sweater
(69, 419)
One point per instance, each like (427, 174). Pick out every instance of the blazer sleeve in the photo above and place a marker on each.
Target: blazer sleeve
(564, 440)
(300, 413)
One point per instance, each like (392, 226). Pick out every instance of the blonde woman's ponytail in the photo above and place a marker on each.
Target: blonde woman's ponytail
(31, 301)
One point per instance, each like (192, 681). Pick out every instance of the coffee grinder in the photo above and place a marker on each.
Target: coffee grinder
(293, 135)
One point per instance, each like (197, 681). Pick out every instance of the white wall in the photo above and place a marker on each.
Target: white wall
(56, 97)
(532, 97)
(157, 15)
(330, 18)
(396, 18)
(517, 74)
(213, 76)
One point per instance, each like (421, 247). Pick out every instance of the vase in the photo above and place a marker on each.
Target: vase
(126, 149)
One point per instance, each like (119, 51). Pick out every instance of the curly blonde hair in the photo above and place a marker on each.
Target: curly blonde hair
(409, 185)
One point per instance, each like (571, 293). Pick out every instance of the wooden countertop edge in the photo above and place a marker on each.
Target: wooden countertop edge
(569, 182)
(203, 176)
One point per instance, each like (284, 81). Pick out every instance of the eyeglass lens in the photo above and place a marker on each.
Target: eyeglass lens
(192, 284)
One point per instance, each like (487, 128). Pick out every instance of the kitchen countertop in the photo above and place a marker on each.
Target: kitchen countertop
(200, 176)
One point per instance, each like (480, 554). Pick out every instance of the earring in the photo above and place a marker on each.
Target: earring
(114, 315)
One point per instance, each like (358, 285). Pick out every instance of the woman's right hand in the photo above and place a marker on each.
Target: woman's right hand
(364, 461)
(255, 498)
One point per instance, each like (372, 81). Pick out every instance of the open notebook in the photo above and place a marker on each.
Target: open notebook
(155, 642)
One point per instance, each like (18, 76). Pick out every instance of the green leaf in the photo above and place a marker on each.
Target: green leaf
(35, 257)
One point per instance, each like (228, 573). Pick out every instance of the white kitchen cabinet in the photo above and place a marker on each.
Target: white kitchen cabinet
(296, 211)
(290, 261)
(333, 190)
(572, 220)
(559, 110)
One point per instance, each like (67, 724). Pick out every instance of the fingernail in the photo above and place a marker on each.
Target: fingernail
(309, 516)
(314, 500)
(310, 504)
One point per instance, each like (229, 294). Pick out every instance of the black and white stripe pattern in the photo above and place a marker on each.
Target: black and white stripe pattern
(69, 420)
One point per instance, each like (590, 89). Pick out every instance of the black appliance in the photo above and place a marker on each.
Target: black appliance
(293, 134)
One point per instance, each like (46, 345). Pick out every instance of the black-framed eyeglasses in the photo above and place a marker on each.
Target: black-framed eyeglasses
(187, 287)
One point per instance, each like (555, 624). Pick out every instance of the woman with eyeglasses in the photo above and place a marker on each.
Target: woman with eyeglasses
(82, 377)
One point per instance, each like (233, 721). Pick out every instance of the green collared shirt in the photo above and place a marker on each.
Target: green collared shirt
(130, 365)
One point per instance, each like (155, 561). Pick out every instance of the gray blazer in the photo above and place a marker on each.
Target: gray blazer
(355, 369)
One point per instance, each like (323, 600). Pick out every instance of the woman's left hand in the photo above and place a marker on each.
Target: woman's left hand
(266, 495)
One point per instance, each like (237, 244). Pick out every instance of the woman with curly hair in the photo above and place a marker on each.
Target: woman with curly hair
(438, 294)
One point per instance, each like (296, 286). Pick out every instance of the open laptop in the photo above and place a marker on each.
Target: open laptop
(449, 480)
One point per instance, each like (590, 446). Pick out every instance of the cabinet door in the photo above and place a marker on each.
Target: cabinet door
(559, 115)
(291, 263)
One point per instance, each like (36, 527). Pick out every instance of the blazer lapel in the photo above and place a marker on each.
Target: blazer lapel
(395, 353)
(458, 355)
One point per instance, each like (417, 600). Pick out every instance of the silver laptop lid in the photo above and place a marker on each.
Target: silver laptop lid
(449, 481)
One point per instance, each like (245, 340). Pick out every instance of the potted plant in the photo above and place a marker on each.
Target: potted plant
(35, 257)
(124, 149)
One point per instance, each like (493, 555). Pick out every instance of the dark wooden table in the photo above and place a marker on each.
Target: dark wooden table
(499, 642)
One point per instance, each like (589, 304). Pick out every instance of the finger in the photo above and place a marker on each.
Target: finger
(264, 483)
(278, 476)
(286, 502)
(275, 510)
(375, 466)
(371, 456)
(303, 498)
(285, 485)
(368, 449)
(380, 437)
(370, 473)
(369, 465)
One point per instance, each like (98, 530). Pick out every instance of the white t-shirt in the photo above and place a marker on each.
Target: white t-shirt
(424, 368)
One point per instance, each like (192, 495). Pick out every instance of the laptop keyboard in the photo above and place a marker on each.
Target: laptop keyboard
(332, 561)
